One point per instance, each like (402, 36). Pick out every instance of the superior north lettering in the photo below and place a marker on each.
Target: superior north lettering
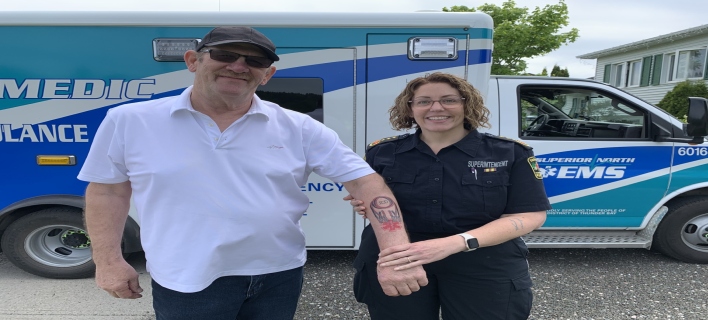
(77, 89)
(564, 160)
(584, 160)
(45, 133)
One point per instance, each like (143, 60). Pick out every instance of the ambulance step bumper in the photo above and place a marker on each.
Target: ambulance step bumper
(587, 239)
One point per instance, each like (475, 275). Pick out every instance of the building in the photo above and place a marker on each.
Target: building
(650, 68)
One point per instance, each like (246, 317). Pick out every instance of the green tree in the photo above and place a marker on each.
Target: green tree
(558, 72)
(675, 101)
(520, 34)
(544, 72)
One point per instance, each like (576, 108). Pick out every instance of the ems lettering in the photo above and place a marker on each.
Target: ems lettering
(77, 89)
(45, 133)
(582, 172)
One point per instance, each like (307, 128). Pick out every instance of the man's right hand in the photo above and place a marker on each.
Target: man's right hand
(119, 279)
(402, 282)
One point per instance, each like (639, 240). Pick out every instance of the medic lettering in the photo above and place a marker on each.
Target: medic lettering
(77, 89)
(44, 133)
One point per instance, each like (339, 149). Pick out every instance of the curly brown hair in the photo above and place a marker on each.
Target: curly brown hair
(476, 114)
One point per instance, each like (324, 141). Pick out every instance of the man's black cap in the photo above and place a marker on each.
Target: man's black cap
(222, 35)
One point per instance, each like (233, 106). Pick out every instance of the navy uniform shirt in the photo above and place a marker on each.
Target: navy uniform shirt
(463, 187)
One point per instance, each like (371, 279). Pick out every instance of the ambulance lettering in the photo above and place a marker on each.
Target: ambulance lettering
(584, 168)
(77, 89)
(44, 133)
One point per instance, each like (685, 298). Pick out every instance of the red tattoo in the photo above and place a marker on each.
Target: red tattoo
(381, 206)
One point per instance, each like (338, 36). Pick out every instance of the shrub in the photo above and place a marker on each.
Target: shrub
(675, 101)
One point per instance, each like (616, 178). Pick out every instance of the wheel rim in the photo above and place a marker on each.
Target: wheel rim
(695, 233)
(59, 246)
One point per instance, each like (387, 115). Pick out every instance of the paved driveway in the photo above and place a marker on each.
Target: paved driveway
(573, 284)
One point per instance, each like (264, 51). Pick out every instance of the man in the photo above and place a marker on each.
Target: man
(215, 174)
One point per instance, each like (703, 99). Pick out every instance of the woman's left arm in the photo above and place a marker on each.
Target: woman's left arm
(507, 227)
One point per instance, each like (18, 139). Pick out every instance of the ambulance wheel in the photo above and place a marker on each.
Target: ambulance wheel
(50, 243)
(683, 233)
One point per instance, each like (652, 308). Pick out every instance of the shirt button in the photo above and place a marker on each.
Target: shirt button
(388, 178)
(437, 179)
(489, 182)
(435, 201)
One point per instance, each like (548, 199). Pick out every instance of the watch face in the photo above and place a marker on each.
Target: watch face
(472, 243)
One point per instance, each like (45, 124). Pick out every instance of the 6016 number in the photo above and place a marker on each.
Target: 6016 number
(689, 152)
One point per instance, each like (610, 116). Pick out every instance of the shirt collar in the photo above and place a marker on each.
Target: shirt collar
(409, 144)
(184, 103)
(469, 144)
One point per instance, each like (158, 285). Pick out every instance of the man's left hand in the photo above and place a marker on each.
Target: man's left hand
(401, 283)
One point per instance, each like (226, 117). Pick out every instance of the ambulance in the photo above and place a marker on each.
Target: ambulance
(619, 171)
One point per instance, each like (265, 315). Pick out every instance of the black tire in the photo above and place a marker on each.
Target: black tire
(683, 233)
(50, 243)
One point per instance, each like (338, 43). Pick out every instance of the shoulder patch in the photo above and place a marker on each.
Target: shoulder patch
(535, 168)
(388, 139)
(523, 144)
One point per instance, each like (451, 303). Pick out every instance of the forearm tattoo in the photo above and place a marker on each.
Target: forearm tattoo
(518, 223)
(387, 213)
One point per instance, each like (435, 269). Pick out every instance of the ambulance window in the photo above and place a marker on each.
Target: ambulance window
(563, 112)
(304, 95)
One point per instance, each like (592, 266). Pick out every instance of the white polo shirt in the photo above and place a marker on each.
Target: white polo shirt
(212, 206)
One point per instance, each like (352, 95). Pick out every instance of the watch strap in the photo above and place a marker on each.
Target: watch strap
(467, 238)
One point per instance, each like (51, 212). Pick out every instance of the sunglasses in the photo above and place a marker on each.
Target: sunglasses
(230, 57)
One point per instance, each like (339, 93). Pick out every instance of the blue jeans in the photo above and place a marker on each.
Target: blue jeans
(268, 296)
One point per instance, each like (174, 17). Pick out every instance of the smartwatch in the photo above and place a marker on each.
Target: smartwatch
(470, 241)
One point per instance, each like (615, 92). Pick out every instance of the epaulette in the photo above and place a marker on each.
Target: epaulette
(523, 144)
(389, 139)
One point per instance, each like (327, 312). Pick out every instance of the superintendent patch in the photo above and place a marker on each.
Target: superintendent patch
(534, 166)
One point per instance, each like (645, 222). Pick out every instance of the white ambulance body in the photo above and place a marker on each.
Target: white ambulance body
(610, 168)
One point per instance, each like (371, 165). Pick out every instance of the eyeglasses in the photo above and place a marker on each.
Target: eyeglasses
(230, 57)
(448, 101)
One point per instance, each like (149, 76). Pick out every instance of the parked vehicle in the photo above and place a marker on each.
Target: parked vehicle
(619, 172)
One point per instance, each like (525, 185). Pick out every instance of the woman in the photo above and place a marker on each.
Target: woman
(466, 199)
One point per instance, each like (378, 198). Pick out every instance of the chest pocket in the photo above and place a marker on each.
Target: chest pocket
(400, 181)
(486, 190)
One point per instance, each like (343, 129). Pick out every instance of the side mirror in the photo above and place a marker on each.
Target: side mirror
(696, 128)
(697, 117)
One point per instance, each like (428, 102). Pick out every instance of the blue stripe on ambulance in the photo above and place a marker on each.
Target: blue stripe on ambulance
(385, 68)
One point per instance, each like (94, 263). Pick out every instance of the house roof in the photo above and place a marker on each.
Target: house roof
(647, 43)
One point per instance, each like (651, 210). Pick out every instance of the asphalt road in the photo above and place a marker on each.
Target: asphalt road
(573, 284)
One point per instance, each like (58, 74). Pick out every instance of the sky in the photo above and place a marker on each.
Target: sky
(602, 24)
